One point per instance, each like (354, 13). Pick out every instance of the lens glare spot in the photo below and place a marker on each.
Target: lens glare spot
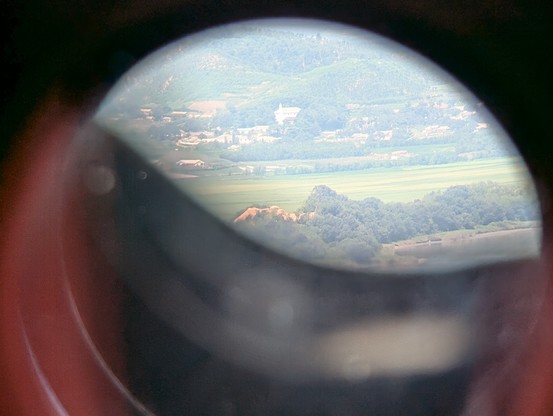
(99, 180)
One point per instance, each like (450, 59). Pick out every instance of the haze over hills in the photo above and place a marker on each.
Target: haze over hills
(277, 66)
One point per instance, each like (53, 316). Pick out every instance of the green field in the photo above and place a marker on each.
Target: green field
(226, 196)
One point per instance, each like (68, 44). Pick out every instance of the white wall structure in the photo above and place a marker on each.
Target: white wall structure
(284, 113)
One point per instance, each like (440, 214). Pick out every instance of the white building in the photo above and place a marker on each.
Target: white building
(284, 113)
(192, 163)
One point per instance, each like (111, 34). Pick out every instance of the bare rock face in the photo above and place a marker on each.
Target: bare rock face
(274, 212)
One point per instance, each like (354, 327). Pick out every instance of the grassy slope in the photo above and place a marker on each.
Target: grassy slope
(228, 195)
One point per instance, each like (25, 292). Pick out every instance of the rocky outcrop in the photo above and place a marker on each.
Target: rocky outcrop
(274, 212)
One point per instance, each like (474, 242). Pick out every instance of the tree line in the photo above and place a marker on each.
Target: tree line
(334, 226)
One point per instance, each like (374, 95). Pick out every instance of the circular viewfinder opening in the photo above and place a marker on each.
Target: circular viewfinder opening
(329, 144)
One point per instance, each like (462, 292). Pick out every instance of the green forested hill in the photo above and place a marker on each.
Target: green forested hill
(274, 66)
(333, 229)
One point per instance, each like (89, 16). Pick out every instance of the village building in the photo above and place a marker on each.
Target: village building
(328, 134)
(205, 109)
(399, 154)
(383, 135)
(286, 113)
(463, 115)
(188, 141)
(431, 132)
(360, 136)
(177, 114)
(191, 163)
(147, 113)
(268, 139)
(247, 169)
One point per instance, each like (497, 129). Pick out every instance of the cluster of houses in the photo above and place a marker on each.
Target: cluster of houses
(429, 132)
(244, 136)
(240, 136)
(395, 155)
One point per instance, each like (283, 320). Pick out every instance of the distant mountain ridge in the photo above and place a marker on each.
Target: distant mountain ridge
(263, 66)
